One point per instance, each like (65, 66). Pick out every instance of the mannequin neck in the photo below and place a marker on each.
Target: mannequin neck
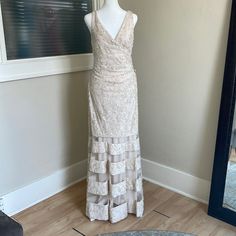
(111, 4)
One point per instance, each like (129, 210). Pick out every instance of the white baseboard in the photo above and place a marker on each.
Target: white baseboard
(176, 180)
(31, 194)
(167, 177)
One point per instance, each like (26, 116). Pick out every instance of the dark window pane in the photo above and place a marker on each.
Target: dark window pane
(39, 28)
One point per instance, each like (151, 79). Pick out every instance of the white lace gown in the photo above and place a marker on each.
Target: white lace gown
(114, 180)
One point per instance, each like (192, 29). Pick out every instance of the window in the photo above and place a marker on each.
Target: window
(45, 27)
(44, 37)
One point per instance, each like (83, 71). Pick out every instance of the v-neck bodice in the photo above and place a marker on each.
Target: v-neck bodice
(105, 30)
(112, 56)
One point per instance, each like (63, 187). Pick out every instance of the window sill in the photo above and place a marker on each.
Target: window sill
(36, 67)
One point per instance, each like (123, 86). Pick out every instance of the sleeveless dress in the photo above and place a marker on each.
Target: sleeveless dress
(114, 179)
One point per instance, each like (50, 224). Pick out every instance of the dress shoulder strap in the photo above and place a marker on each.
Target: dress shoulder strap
(93, 20)
(131, 17)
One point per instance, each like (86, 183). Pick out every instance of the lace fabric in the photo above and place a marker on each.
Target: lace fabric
(114, 180)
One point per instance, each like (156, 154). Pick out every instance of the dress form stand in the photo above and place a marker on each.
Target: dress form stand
(110, 10)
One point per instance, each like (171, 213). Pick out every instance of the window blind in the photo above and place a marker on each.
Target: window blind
(43, 28)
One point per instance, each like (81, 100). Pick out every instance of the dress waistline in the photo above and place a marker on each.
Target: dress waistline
(112, 72)
(114, 76)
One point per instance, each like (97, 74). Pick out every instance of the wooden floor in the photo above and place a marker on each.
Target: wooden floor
(64, 215)
(232, 155)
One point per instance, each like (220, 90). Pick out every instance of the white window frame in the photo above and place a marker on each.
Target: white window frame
(11, 70)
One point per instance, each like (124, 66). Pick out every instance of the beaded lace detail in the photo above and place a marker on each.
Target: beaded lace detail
(114, 180)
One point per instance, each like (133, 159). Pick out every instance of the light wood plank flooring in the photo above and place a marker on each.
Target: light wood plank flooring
(64, 215)
(232, 155)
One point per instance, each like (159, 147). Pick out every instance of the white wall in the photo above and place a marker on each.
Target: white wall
(43, 127)
(179, 54)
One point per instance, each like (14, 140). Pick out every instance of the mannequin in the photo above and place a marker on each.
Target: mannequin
(114, 179)
(110, 10)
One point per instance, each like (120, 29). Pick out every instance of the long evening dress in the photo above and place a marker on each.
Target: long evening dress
(114, 180)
